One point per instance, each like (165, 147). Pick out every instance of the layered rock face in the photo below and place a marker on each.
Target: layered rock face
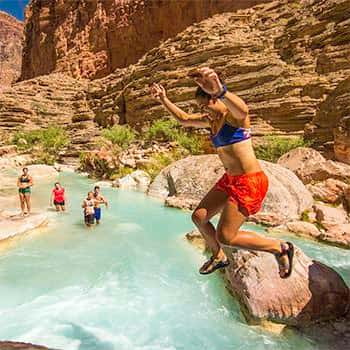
(11, 36)
(284, 87)
(93, 38)
(284, 58)
(55, 99)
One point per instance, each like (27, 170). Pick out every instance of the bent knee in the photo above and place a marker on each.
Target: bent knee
(226, 236)
(200, 216)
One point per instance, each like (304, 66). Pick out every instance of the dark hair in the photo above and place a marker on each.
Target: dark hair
(57, 183)
(202, 94)
(96, 188)
(25, 168)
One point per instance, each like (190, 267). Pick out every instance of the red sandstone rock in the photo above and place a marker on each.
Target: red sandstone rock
(10, 345)
(327, 215)
(309, 165)
(314, 292)
(93, 38)
(329, 191)
(303, 228)
(342, 138)
(11, 36)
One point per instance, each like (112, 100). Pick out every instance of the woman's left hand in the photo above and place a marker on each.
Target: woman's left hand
(209, 81)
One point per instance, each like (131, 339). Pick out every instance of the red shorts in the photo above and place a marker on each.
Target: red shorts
(247, 191)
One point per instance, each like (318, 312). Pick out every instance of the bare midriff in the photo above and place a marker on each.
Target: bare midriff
(239, 158)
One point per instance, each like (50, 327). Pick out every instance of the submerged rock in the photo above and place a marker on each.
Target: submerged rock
(15, 225)
(11, 345)
(314, 292)
(191, 178)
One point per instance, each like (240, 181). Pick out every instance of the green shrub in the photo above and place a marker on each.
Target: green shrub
(119, 135)
(192, 143)
(121, 172)
(163, 130)
(45, 144)
(168, 130)
(273, 147)
(161, 160)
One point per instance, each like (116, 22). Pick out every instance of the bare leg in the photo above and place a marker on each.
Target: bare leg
(228, 233)
(22, 199)
(27, 200)
(210, 205)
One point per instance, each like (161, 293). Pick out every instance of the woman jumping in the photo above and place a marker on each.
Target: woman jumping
(241, 190)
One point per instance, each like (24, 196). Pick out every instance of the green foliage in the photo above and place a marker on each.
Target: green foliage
(305, 215)
(119, 135)
(121, 172)
(273, 147)
(163, 130)
(168, 130)
(161, 160)
(45, 144)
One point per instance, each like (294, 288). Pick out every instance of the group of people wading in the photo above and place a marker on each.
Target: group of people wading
(238, 194)
(91, 205)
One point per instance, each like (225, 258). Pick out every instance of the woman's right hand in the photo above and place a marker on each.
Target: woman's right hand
(158, 91)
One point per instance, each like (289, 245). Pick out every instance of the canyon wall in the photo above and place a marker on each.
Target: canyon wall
(92, 38)
(11, 36)
(288, 59)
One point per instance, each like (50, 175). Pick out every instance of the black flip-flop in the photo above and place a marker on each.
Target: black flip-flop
(290, 254)
(214, 266)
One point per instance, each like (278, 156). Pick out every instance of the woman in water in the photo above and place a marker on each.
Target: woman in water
(89, 209)
(24, 184)
(241, 190)
(58, 197)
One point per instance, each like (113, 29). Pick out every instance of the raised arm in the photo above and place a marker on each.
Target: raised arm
(209, 81)
(185, 119)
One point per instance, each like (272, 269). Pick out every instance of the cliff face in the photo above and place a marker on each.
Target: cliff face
(288, 59)
(11, 36)
(284, 58)
(92, 38)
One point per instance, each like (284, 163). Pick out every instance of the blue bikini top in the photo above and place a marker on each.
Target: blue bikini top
(229, 134)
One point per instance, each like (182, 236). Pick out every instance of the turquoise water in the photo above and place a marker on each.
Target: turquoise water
(131, 283)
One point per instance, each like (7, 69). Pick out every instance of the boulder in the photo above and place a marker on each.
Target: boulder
(309, 165)
(303, 228)
(326, 214)
(314, 292)
(329, 191)
(138, 180)
(191, 178)
(336, 234)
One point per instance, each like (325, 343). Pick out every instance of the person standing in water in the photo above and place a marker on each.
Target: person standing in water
(89, 209)
(99, 199)
(24, 184)
(241, 190)
(58, 197)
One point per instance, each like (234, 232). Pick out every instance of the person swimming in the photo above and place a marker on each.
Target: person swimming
(89, 209)
(58, 197)
(241, 190)
(24, 184)
(99, 199)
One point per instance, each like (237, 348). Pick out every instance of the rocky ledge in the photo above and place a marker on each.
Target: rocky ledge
(314, 292)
